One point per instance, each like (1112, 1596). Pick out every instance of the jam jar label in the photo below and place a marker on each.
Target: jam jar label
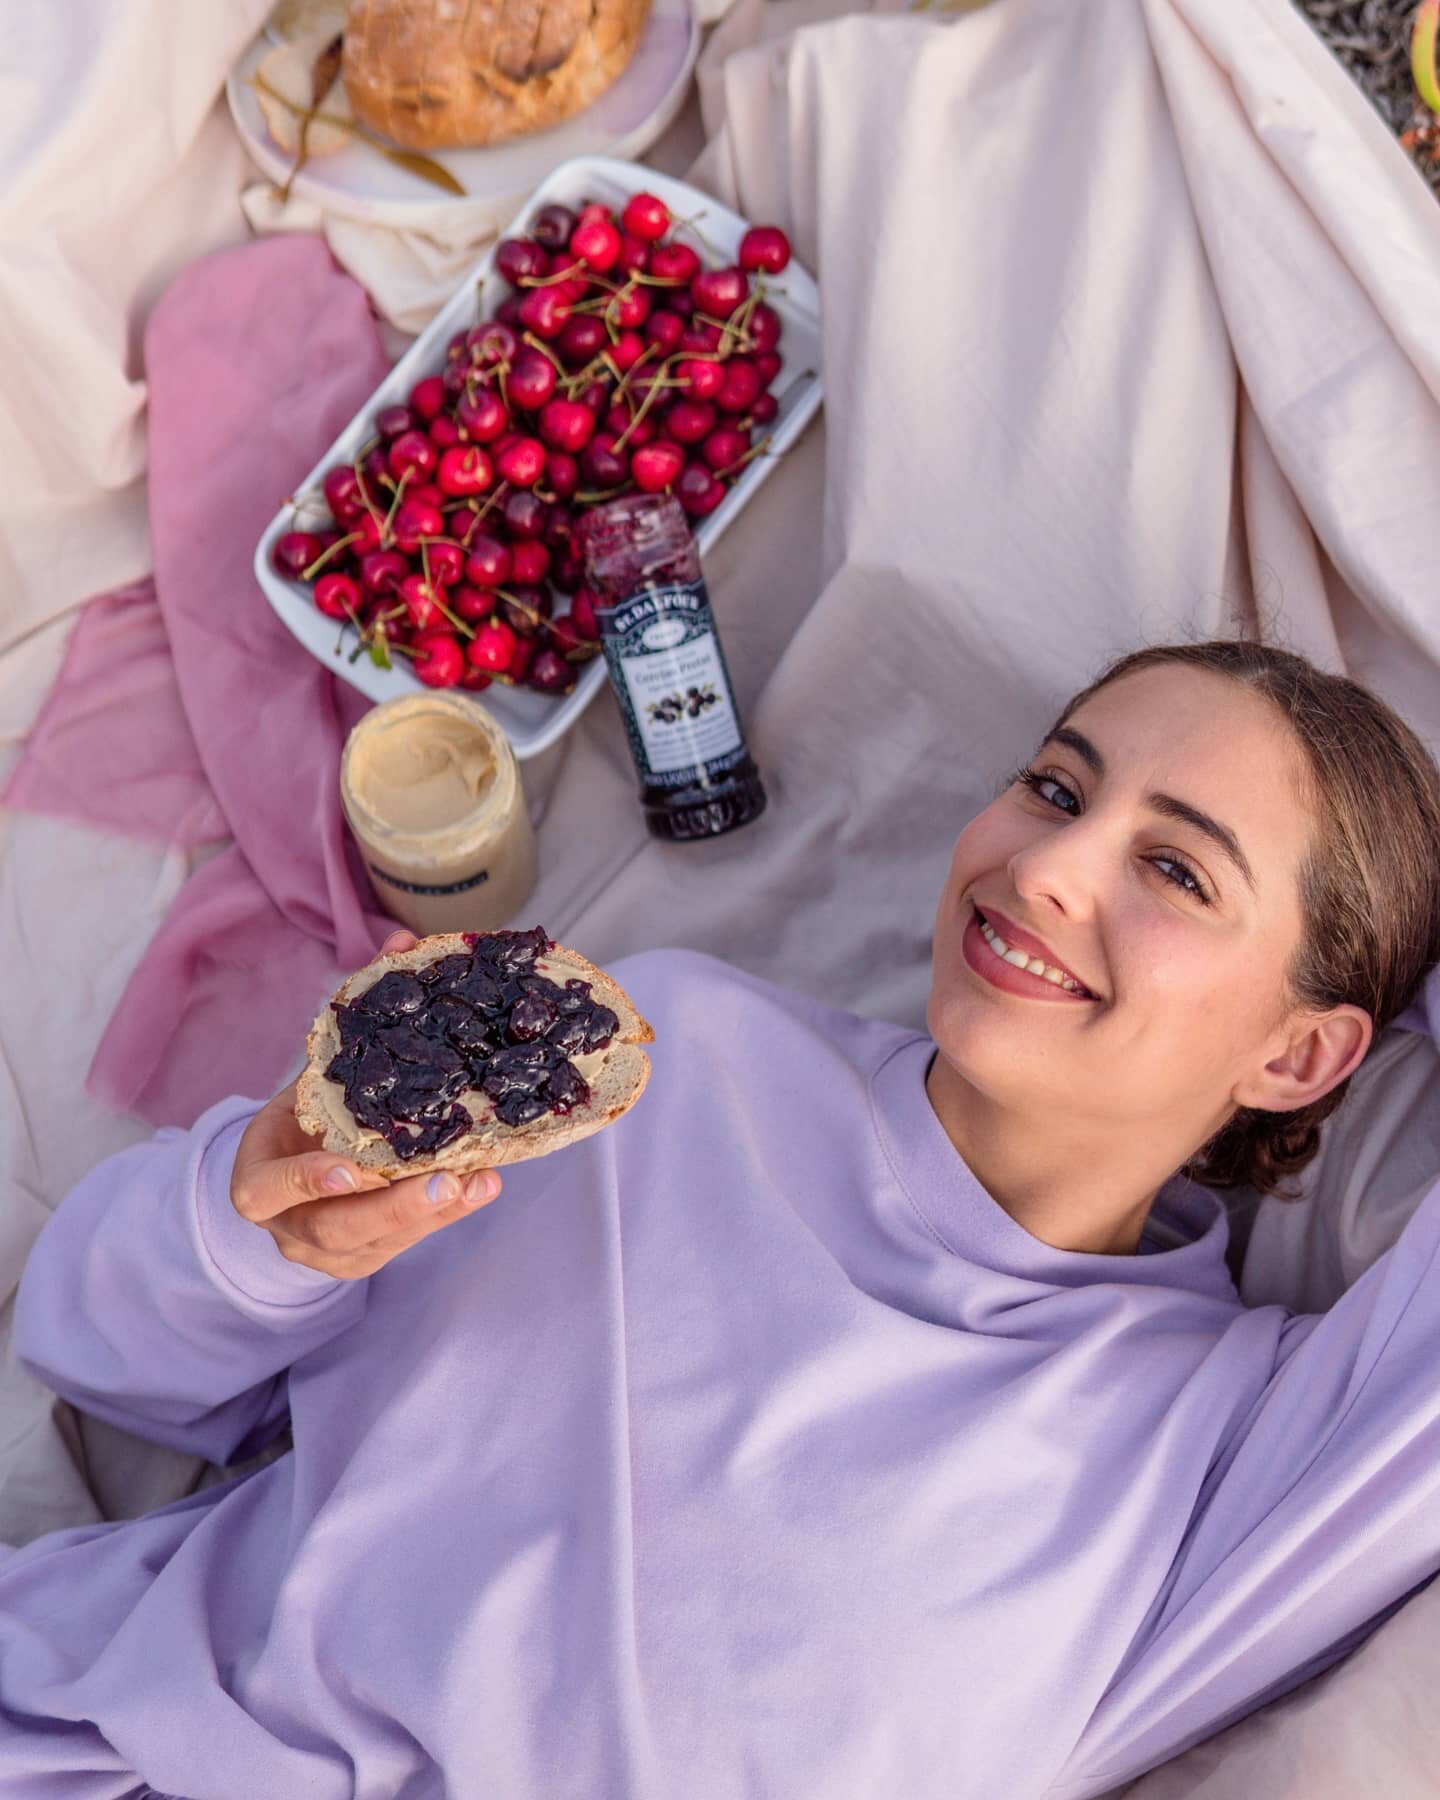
(671, 682)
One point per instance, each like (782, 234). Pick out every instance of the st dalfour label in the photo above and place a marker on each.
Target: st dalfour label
(671, 681)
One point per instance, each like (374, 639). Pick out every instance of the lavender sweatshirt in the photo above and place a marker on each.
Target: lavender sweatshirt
(747, 1451)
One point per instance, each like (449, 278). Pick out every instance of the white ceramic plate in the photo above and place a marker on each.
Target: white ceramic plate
(359, 183)
(533, 720)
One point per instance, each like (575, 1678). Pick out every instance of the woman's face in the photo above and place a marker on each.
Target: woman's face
(1150, 860)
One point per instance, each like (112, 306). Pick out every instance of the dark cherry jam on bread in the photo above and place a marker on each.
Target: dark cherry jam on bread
(413, 1043)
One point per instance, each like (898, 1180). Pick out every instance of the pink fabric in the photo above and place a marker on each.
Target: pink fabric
(255, 358)
(112, 745)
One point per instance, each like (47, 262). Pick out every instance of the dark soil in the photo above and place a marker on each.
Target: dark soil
(1372, 39)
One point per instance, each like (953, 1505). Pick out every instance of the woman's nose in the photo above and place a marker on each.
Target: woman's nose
(1059, 871)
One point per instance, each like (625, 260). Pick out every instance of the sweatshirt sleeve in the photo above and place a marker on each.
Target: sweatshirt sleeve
(1318, 1520)
(148, 1301)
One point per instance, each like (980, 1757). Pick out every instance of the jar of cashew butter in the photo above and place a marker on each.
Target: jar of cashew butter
(431, 790)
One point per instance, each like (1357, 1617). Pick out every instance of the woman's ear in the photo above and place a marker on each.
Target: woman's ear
(1322, 1050)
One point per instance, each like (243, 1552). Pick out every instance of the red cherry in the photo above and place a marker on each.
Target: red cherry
(552, 225)
(491, 648)
(427, 398)
(765, 248)
(463, 470)
(664, 330)
(562, 474)
(634, 257)
(690, 420)
(344, 493)
(627, 350)
(628, 309)
(446, 562)
(520, 658)
(597, 243)
(471, 603)
(382, 571)
(294, 552)
(411, 454)
(422, 601)
(702, 336)
(601, 466)
(764, 327)
(475, 681)
(595, 395)
(366, 531)
(705, 379)
(698, 491)
(719, 292)
(415, 520)
(724, 447)
(591, 210)
(567, 571)
(675, 263)
(525, 609)
(544, 312)
(765, 410)
(549, 673)
(488, 564)
(741, 387)
(531, 380)
(439, 660)
(566, 425)
(481, 415)
(529, 563)
(337, 596)
(769, 365)
(581, 339)
(522, 463)
(444, 432)
(657, 466)
(524, 514)
(567, 640)
(520, 259)
(391, 421)
(492, 344)
(646, 217)
(582, 614)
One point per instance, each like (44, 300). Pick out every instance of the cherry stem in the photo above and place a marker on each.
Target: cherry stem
(325, 555)
(760, 449)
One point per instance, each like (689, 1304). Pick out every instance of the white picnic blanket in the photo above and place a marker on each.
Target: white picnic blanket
(1129, 335)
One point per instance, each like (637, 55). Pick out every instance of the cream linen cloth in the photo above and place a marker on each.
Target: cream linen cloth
(1129, 336)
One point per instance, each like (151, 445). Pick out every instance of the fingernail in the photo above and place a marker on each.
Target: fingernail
(441, 1189)
(482, 1187)
(339, 1180)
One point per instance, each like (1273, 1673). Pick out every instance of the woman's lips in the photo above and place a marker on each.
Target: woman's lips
(1007, 976)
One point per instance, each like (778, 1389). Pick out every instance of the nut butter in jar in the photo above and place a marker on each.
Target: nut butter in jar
(432, 793)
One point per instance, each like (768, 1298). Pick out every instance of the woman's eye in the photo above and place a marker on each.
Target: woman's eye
(1182, 876)
(1052, 792)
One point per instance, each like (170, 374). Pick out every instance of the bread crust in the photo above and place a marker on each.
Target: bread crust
(442, 74)
(616, 1075)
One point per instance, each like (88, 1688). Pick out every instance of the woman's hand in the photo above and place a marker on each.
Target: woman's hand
(327, 1212)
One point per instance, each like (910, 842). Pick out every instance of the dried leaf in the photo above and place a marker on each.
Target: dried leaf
(379, 653)
(423, 166)
(1422, 53)
(324, 73)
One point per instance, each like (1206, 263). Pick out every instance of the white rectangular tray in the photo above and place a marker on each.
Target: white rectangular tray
(533, 721)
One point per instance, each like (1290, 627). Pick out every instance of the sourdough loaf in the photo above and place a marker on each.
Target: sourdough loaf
(439, 74)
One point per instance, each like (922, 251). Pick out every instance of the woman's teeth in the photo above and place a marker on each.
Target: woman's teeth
(1032, 963)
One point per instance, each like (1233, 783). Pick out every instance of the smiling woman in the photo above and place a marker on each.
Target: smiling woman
(1223, 862)
(867, 1412)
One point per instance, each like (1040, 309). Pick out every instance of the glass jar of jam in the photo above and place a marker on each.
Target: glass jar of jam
(697, 778)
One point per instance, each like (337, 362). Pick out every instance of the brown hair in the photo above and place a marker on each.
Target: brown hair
(1369, 887)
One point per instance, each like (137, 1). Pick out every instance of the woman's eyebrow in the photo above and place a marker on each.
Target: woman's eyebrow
(1171, 808)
